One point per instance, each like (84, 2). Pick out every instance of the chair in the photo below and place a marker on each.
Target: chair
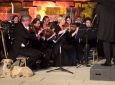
(21, 61)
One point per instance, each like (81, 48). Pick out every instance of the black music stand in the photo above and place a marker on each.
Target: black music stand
(60, 52)
(83, 34)
(86, 46)
(89, 34)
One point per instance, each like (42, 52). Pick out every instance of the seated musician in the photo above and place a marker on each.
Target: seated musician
(91, 31)
(45, 22)
(68, 21)
(75, 38)
(78, 21)
(45, 42)
(35, 29)
(68, 51)
(22, 46)
(15, 20)
(89, 38)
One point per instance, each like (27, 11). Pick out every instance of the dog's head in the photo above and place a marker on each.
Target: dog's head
(7, 62)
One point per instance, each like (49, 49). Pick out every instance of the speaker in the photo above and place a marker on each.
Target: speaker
(112, 73)
(99, 72)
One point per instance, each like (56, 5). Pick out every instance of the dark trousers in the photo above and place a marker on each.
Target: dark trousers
(47, 54)
(65, 55)
(109, 51)
(33, 54)
(100, 49)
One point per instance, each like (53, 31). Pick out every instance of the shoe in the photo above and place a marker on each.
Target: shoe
(87, 65)
(106, 64)
(114, 64)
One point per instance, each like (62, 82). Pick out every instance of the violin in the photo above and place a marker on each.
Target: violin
(48, 32)
(71, 27)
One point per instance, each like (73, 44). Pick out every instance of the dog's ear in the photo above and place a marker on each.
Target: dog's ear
(12, 61)
(2, 61)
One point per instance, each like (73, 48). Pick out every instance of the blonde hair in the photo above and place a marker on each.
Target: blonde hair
(60, 18)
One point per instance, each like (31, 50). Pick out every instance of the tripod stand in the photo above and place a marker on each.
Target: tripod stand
(60, 55)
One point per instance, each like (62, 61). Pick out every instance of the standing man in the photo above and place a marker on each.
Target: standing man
(106, 29)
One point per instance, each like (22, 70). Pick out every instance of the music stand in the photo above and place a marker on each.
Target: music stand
(83, 34)
(87, 49)
(86, 46)
(60, 52)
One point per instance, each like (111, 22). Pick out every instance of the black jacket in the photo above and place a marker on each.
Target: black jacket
(105, 11)
(22, 35)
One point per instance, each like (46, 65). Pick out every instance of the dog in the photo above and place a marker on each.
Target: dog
(6, 70)
(18, 71)
(10, 70)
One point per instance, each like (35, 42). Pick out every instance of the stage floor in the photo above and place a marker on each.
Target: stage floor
(81, 76)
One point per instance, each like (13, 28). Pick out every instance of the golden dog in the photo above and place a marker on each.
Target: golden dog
(18, 71)
(6, 70)
(9, 70)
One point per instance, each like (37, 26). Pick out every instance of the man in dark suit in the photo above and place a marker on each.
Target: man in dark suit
(106, 29)
(21, 45)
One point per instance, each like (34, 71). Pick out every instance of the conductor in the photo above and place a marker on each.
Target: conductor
(106, 28)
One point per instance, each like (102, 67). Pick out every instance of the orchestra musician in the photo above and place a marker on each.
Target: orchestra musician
(45, 22)
(22, 46)
(36, 29)
(90, 38)
(85, 40)
(47, 46)
(45, 43)
(68, 54)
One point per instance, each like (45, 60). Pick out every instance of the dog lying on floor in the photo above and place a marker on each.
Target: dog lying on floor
(9, 70)
(6, 70)
(18, 71)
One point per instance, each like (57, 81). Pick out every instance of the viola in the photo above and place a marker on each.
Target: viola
(48, 32)
(71, 27)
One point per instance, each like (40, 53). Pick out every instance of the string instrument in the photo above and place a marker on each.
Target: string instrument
(31, 29)
(36, 30)
(72, 29)
(48, 32)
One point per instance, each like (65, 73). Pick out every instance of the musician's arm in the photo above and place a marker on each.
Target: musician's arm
(76, 31)
(54, 34)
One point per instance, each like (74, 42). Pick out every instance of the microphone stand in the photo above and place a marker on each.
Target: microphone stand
(60, 52)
